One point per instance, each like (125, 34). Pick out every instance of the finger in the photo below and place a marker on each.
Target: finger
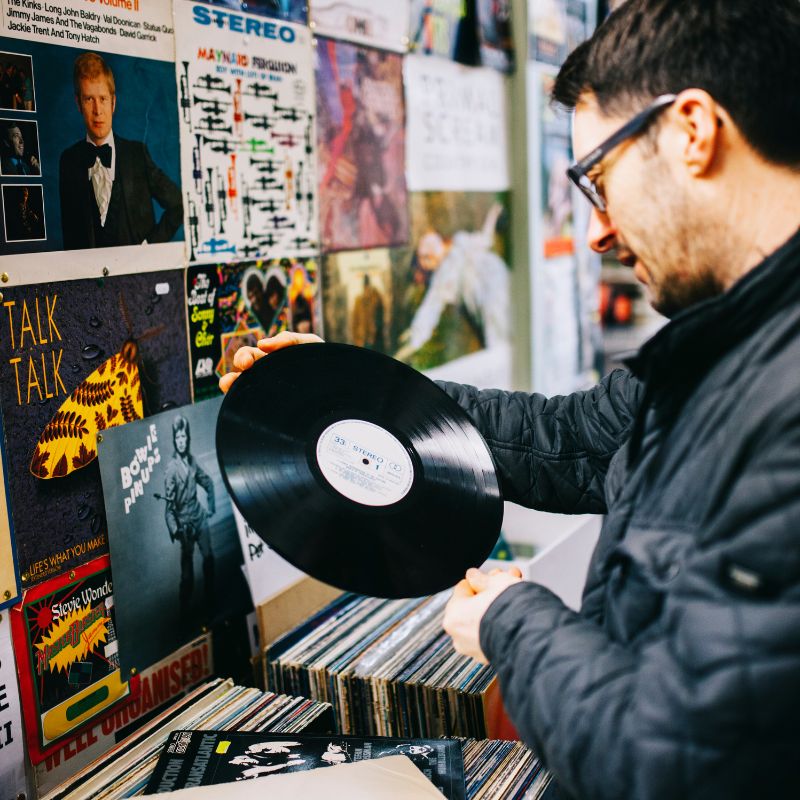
(245, 357)
(286, 339)
(476, 579)
(516, 572)
(226, 381)
(463, 589)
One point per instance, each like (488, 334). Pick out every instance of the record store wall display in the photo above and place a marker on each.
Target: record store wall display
(362, 186)
(365, 22)
(77, 358)
(247, 126)
(457, 137)
(174, 547)
(66, 644)
(89, 159)
(361, 289)
(456, 297)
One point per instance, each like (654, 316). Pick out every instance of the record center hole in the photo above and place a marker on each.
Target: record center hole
(365, 461)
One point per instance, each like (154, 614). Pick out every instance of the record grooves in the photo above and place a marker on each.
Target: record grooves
(359, 470)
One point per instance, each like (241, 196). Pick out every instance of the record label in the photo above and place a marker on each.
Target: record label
(364, 462)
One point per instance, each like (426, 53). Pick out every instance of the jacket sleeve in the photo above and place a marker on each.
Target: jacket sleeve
(708, 705)
(168, 196)
(171, 497)
(553, 453)
(207, 484)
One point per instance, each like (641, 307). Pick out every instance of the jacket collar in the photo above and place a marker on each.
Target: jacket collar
(695, 338)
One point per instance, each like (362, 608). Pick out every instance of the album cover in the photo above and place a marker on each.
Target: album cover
(164, 497)
(360, 290)
(79, 357)
(204, 758)
(73, 103)
(457, 132)
(495, 34)
(444, 28)
(364, 22)
(202, 288)
(247, 127)
(456, 299)
(362, 186)
(67, 652)
(158, 688)
(288, 10)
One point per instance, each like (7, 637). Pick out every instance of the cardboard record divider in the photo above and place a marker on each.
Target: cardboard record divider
(359, 470)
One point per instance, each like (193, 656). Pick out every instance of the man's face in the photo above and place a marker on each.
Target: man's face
(16, 142)
(654, 220)
(255, 296)
(181, 440)
(96, 104)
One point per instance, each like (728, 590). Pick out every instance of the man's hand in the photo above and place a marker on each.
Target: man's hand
(470, 601)
(247, 356)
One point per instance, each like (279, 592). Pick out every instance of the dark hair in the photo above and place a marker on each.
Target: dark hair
(180, 423)
(744, 53)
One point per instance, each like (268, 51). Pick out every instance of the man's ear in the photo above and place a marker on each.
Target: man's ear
(113, 103)
(699, 118)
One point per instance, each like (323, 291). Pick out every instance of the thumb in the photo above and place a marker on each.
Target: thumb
(477, 580)
(463, 589)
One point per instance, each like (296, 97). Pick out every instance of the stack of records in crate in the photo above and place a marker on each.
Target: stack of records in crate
(387, 667)
(217, 705)
(499, 770)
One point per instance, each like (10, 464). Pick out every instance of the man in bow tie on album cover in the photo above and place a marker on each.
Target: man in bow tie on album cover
(107, 183)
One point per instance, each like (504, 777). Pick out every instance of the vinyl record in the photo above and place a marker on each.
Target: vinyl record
(359, 470)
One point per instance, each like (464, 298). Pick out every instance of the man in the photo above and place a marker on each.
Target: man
(366, 323)
(13, 160)
(107, 183)
(680, 676)
(187, 520)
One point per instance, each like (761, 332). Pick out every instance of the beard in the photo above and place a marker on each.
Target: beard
(685, 248)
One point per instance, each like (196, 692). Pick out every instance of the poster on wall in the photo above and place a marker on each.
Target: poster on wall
(165, 497)
(495, 35)
(444, 28)
(457, 133)
(88, 161)
(362, 185)
(456, 299)
(12, 755)
(78, 357)
(383, 25)
(286, 10)
(66, 644)
(248, 135)
(360, 292)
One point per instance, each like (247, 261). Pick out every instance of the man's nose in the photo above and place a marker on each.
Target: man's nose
(602, 235)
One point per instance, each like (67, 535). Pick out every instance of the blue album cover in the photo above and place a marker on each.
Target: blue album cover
(175, 553)
(47, 130)
(288, 10)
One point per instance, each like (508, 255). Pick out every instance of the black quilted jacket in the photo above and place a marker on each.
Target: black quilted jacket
(680, 677)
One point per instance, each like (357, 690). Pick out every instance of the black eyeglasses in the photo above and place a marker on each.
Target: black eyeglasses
(578, 172)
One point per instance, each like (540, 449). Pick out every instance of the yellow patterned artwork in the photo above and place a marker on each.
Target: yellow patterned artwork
(111, 395)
